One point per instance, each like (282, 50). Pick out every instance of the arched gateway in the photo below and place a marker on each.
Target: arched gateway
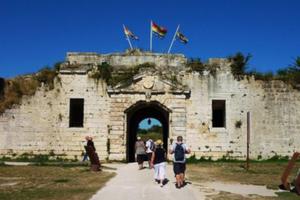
(136, 113)
(147, 96)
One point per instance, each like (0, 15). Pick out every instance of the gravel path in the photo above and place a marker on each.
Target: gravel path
(131, 183)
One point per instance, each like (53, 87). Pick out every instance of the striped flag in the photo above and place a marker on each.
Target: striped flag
(159, 30)
(181, 37)
(130, 34)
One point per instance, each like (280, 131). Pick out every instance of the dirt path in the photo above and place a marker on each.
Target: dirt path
(133, 184)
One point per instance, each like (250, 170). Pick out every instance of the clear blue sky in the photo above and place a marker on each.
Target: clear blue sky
(144, 123)
(35, 33)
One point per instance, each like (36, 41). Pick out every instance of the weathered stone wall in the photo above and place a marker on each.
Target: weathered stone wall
(274, 107)
(41, 123)
(127, 59)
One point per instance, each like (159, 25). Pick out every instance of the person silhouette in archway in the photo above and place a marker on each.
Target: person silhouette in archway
(140, 151)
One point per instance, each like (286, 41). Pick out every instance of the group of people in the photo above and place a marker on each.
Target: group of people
(156, 155)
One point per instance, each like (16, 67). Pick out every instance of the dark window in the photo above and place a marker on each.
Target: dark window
(76, 112)
(218, 113)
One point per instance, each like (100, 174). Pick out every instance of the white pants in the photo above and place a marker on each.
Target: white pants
(160, 171)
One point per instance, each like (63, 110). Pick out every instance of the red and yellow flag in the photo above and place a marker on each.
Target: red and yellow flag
(159, 30)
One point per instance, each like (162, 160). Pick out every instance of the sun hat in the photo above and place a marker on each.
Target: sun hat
(158, 142)
(138, 138)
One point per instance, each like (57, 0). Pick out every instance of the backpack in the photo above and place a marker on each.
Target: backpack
(179, 152)
(152, 146)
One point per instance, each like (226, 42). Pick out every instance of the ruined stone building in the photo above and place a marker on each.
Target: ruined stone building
(209, 109)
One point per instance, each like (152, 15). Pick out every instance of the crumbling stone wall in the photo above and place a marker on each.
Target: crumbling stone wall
(40, 125)
(274, 107)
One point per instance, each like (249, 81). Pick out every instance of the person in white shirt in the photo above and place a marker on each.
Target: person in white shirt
(149, 150)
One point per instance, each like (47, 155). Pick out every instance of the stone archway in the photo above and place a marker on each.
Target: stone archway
(137, 113)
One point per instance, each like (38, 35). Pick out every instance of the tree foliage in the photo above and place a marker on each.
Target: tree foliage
(196, 65)
(239, 64)
(291, 74)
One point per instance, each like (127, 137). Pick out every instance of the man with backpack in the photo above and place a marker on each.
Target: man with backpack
(179, 149)
(149, 150)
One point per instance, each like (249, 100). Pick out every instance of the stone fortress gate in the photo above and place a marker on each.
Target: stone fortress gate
(208, 110)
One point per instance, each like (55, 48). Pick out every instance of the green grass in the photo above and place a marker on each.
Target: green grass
(259, 173)
(153, 135)
(50, 182)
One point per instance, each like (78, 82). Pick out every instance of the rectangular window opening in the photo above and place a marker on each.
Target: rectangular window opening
(76, 113)
(218, 113)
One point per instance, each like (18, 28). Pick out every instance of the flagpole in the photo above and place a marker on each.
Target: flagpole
(127, 37)
(173, 38)
(151, 35)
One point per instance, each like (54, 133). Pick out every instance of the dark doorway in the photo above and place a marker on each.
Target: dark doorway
(138, 112)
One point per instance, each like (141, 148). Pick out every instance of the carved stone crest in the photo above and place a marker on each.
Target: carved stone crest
(148, 82)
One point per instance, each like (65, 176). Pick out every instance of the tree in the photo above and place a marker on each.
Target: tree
(296, 65)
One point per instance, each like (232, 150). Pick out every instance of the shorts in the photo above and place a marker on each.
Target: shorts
(140, 158)
(149, 155)
(179, 168)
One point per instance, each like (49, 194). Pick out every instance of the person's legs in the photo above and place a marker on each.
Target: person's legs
(178, 180)
(143, 158)
(149, 155)
(176, 167)
(162, 173)
(139, 159)
(85, 157)
(284, 177)
(156, 172)
(183, 173)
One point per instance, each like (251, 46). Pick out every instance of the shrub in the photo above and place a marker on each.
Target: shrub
(290, 74)
(196, 65)
(126, 75)
(238, 124)
(146, 65)
(46, 76)
(103, 72)
(57, 66)
(213, 69)
(11, 91)
(268, 76)
(239, 64)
